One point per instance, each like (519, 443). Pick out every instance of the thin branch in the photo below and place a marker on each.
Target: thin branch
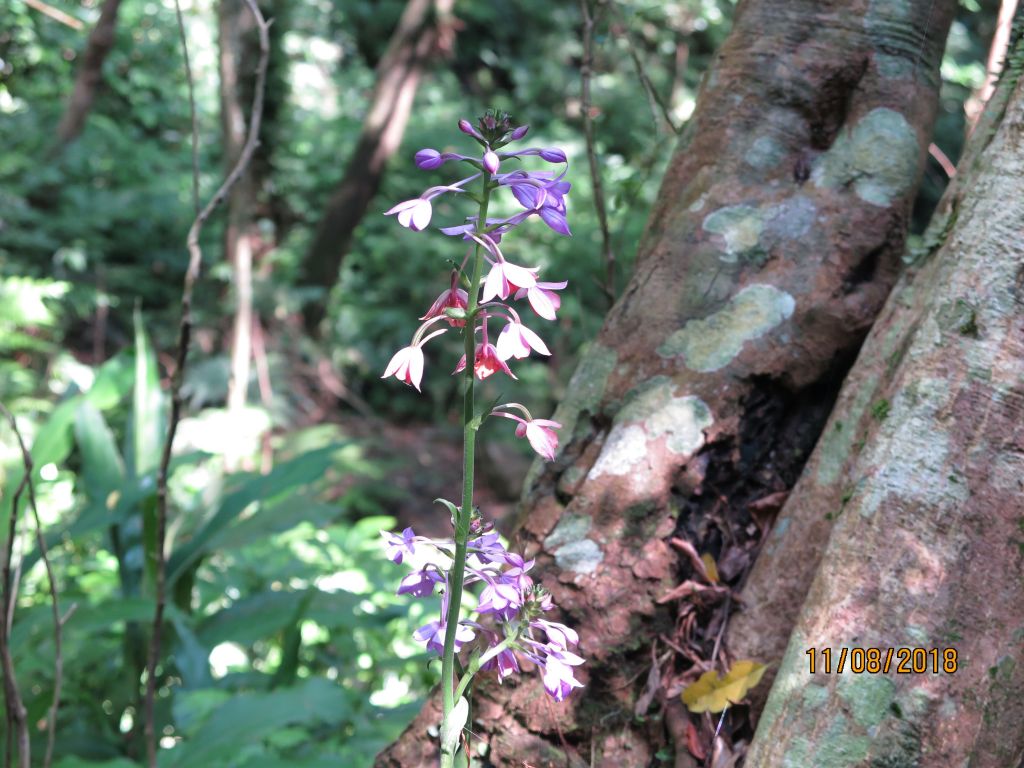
(586, 72)
(184, 334)
(55, 14)
(942, 159)
(193, 115)
(58, 623)
(16, 716)
(657, 103)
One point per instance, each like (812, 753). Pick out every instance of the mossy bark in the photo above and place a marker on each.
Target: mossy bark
(927, 547)
(775, 240)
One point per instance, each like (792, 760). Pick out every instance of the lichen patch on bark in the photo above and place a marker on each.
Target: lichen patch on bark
(876, 158)
(740, 228)
(713, 342)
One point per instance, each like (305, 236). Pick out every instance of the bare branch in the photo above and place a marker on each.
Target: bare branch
(586, 72)
(654, 98)
(184, 334)
(58, 623)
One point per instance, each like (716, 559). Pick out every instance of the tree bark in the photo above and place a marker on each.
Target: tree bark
(424, 30)
(238, 56)
(927, 550)
(89, 75)
(772, 247)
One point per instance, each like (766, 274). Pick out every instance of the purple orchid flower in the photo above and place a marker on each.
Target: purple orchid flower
(433, 635)
(420, 583)
(399, 546)
(558, 677)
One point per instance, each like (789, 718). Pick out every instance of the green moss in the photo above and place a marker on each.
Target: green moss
(839, 746)
(868, 697)
(880, 410)
(959, 316)
(835, 444)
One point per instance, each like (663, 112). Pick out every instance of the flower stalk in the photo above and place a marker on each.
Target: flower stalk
(510, 604)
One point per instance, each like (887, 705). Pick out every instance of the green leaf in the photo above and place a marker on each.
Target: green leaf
(102, 467)
(249, 718)
(283, 479)
(146, 424)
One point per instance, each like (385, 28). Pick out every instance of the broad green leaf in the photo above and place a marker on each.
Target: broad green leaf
(146, 423)
(190, 656)
(267, 613)
(250, 717)
(102, 468)
(283, 479)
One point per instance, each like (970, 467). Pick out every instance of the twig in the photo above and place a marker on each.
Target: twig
(184, 333)
(55, 14)
(58, 624)
(14, 707)
(654, 99)
(586, 72)
(942, 159)
(193, 115)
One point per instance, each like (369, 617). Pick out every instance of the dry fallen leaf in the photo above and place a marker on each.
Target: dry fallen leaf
(710, 569)
(711, 693)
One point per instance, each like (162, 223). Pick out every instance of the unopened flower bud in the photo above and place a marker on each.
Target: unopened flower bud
(491, 161)
(467, 128)
(519, 132)
(428, 159)
(552, 155)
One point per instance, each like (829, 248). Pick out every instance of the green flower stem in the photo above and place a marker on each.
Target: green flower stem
(476, 662)
(458, 572)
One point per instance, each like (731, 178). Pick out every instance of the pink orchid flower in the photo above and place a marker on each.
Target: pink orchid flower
(407, 363)
(539, 432)
(415, 214)
(487, 362)
(543, 299)
(516, 340)
(452, 297)
(407, 366)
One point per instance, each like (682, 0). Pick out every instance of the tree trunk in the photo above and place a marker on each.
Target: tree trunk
(89, 75)
(238, 56)
(773, 245)
(927, 550)
(424, 30)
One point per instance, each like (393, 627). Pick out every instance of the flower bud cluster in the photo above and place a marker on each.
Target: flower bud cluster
(509, 601)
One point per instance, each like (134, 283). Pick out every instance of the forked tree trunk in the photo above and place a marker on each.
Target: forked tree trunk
(424, 30)
(927, 549)
(773, 245)
(89, 75)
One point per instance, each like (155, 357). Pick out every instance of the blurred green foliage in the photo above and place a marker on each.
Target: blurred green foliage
(286, 646)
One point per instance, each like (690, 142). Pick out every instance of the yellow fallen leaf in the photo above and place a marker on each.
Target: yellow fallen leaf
(711, 693)
(710, 568)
